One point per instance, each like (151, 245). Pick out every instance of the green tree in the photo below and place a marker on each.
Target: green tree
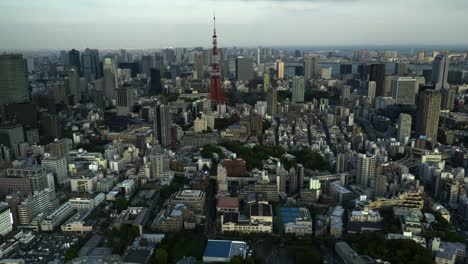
(236, 260)
(161, 256)
(121, 204)
(71, 254)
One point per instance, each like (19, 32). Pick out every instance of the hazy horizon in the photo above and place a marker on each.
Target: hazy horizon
(144, 24)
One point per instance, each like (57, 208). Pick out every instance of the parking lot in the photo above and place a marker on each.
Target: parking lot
(46, 248)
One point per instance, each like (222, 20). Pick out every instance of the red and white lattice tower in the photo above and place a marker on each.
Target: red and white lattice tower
(216, 91)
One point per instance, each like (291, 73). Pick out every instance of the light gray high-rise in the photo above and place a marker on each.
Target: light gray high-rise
(440, 68)
(13, 82)
(427, 121)
(366, 167)
(404, 128)
(298, 89)
(244, 69)
(109, 79)
(403, 90)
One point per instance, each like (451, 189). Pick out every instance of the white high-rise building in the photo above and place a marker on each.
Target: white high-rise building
(58, 166)
(6, 219)
(222, 179)
(200, 124)
(298, 89)
(404, 128)
(371, 86)
(365, 171)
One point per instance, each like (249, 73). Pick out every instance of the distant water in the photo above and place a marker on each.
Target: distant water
(389, 67)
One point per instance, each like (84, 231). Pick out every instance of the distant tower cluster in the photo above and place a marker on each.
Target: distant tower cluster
(216, 92)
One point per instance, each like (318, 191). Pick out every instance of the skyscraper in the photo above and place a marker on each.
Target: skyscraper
(346, 69)
(448, 99)
(280, 69)
(199, 72)
(13, 83)
(298, 89)
(404, 128)
(440, 68)
(74, 84)
(155, 82)
(272, 102)
(90, 64)
(403, 90)
(371, 86)
(365, 170)
(146, 64)
(125, 99)
(60, 148)
(74, 59)
(244, 69)
(377, 74)
(401, 69)
(109, 78)
(162, 125)
(427, 121)
(310, 67)
(266, 82)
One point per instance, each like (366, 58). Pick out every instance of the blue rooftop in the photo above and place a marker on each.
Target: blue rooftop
(288, 214)
(218, 248)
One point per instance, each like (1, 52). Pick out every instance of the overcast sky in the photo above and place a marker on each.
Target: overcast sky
(129, 24)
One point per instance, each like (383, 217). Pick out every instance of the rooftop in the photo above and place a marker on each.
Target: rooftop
(228, 202)
(224, 249)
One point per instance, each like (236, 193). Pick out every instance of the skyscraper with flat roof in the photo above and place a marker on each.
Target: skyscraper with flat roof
(162, 125)
(311, 67)
(109, 78)
(377, 74)
(403, 90)
(90, 64)
(440, 68)
(13, 83)
(365, 171)
(244, 69)
(298, 89)
(427, 121)
(404, 128)
(74, 59)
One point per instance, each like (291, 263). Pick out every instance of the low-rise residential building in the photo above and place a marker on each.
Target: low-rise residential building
(77, 223)
(171, 219)
(336, 221)
(408, 235)
(347, 254)
(227, 204)
(135, 216)
(411, 223)
(447, 252)
(260, 220)
(299, 225)
(221, 251)
(6, 223)
(57, 217)
(193, 199)
(365, 215)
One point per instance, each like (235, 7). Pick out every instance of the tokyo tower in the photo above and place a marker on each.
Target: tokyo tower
(216, 92)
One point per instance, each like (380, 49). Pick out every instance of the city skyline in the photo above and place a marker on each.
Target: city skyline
(49, 24)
